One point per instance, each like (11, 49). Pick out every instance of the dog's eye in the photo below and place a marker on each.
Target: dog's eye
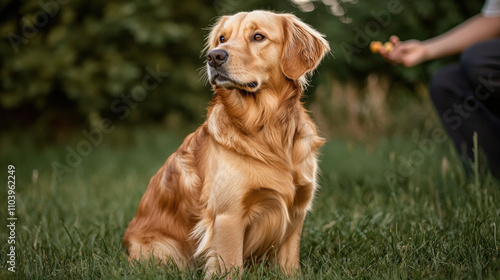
(222, 39)
(258, 37)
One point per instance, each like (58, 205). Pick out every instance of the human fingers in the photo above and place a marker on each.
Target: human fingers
(394, 39)
(402, 49)
(383, 49)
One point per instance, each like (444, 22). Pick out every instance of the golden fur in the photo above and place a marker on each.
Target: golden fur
(239, 187)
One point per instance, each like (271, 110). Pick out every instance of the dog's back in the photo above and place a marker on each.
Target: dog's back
(169, 209)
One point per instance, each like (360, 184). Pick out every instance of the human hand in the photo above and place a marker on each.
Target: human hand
(409, 53)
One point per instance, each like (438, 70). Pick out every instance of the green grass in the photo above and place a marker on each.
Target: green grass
(371, 219)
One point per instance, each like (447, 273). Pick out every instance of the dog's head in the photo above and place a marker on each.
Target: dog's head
(249, 51)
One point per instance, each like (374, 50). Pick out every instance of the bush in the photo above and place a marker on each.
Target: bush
(137, 61)
(103, 58)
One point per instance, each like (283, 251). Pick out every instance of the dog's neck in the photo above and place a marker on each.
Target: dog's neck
(252, 112)
(268, 118)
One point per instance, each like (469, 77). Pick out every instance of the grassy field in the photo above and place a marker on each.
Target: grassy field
(395, 208)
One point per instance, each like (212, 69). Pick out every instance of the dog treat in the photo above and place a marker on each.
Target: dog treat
(388, 47)
(375, 46)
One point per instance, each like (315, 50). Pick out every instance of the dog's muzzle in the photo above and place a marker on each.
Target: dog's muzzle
(219, 76)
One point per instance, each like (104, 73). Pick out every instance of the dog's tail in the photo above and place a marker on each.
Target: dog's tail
(163, 250)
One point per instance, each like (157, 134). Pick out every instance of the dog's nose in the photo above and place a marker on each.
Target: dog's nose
(216, 58)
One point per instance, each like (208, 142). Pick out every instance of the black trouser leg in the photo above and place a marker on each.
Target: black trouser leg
(467, 98)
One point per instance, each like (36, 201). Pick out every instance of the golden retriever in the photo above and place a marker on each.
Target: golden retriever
(239, 187)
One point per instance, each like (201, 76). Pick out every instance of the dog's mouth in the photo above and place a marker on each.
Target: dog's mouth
(222, 79)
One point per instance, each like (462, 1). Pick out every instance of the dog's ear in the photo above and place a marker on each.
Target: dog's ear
(212, 39)
(303, 50)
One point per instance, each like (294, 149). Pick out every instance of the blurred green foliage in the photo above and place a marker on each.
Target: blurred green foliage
(139, 60)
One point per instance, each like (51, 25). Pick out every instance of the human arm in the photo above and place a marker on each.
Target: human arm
(413, 52)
